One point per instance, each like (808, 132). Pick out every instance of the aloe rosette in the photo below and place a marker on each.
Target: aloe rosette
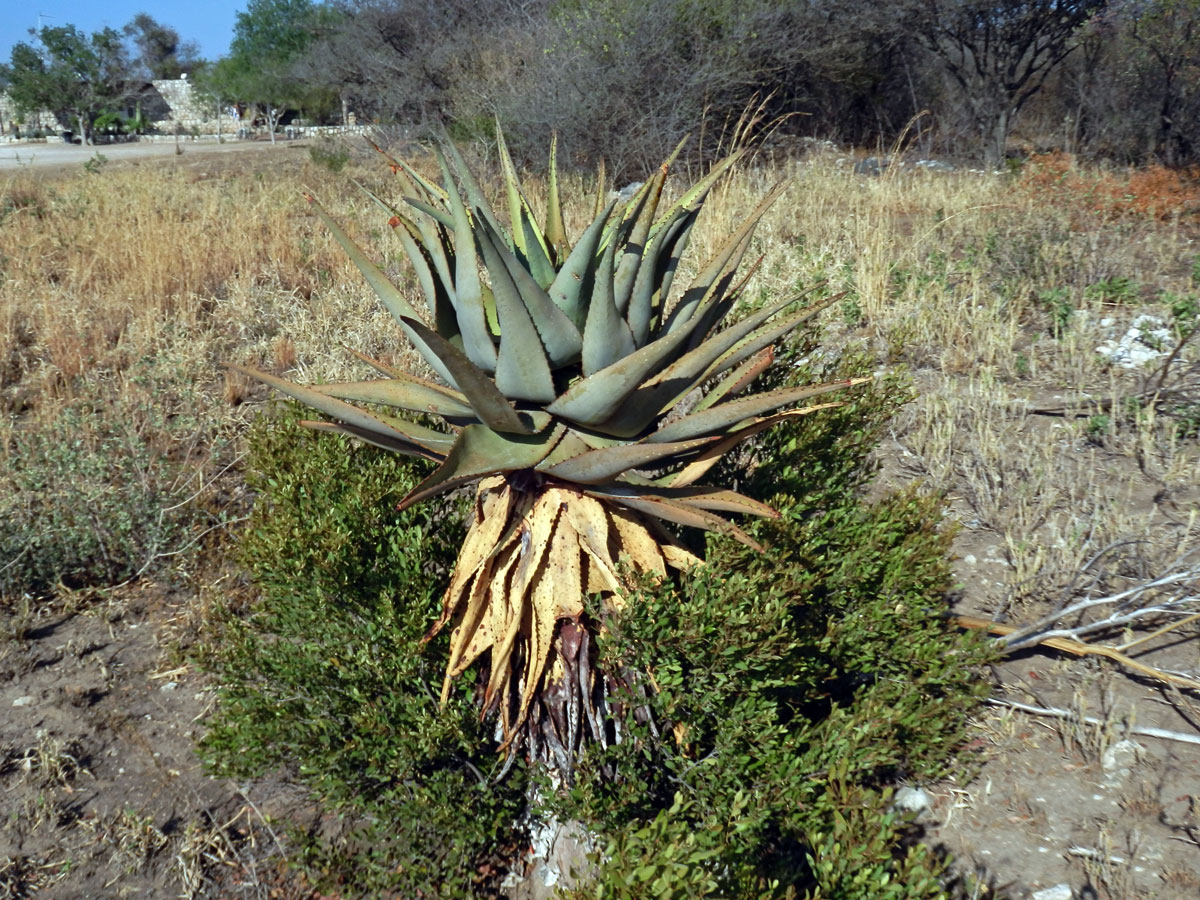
(585, 400)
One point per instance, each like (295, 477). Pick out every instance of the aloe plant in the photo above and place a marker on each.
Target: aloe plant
(585, 400)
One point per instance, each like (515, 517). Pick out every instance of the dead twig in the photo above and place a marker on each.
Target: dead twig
(1054, 712)
(1078, 648)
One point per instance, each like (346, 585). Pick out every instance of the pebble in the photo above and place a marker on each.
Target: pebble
(23, 701)
(1058, 892)
(1142, 343)
(911, 799)
(169, 686)
(1118, 759)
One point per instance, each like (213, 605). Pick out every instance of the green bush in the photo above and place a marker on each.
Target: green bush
(327, 677)
(793, 689)
(332, 155)
(86, 501)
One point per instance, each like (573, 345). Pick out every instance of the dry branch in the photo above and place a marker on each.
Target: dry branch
(1144, 730)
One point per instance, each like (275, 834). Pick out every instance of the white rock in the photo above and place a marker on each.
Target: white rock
(969, 559)
(23, 701)
(1120, 755)
(911, 799)
(1143, 342)
(1058, 892)
(169, 686)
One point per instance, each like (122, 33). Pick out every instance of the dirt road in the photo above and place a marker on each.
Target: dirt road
(34, 155)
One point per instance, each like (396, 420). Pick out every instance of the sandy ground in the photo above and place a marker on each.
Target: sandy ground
(35, 155)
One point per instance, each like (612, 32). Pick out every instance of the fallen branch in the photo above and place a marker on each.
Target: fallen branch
(1056, 641)
(1143, 730)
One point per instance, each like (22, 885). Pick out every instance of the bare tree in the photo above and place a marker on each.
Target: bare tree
(408, 60)
(1168, 31)
(998, 52)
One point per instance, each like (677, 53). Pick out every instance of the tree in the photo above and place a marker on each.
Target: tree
(76, 76)
(161, 53)
(1168, 32)
(998, 52)
(269, 39)
(404, 60)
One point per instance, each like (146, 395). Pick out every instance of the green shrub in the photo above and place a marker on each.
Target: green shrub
(332, 155)
(327, 677)
(794, 688)
(86, 501)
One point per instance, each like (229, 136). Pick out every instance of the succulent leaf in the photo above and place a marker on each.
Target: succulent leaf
(395, 301)
(572, 280)
(698, 467)
(606, 337)
(727, 415)
(595, 399)
(559, 335)
(727, 258)
(556, 232)
(468, 289)
(476, 199)
(677, 511)
(739, 379)
(480, 451)
(481, 392)
(601, 465)
(405, 392)
(652, 284)
(522, 370)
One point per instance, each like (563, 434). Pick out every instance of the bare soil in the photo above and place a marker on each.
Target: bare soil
(57, 156)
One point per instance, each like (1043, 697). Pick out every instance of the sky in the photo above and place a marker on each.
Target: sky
(209, 23)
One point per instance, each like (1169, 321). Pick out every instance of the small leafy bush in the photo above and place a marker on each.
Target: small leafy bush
(327, 678)
(331, 155)
(86, 501)
(781, 696)
(1058, 305)
(792, 689)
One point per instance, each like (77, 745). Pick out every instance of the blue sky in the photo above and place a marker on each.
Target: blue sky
(209, 22)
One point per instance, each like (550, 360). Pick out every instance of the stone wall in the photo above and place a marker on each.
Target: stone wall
(182, 110)
(9, 119)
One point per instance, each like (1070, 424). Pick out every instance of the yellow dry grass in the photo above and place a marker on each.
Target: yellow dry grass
(139, 283)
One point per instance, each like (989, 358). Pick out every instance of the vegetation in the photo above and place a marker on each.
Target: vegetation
(76, 75)
(828, 655)
(1102, 79)
(113, 328)
(564, 377)
(269, 38)
(93, 81)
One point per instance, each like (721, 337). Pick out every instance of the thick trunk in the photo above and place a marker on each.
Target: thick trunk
(557, 857)
(84, 138)
(996, 141)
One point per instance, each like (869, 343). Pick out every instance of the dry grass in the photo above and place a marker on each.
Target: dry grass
(131, 287)
(128, 289)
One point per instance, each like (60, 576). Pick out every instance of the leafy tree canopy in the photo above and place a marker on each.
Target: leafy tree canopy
(76, 75)
(161, 52)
